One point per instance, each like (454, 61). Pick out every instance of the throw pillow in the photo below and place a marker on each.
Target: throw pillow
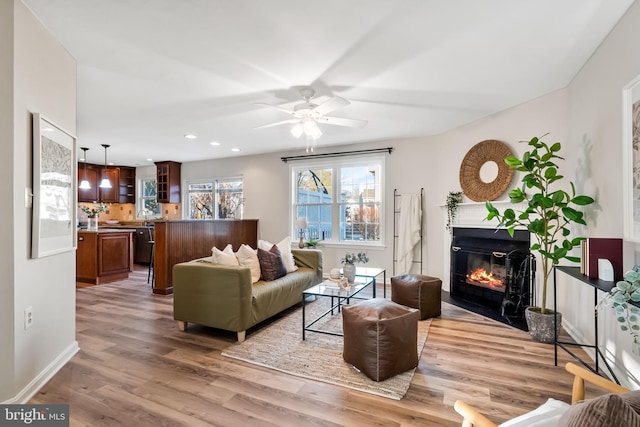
(632, 398)
(225, 257)
(545, 415)
(271, 266)
(247, 257)
(227, 250)
(609, 410)
(284, 246)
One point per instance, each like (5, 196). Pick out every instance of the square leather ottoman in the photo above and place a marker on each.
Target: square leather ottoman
(380, 337)
(418, 291)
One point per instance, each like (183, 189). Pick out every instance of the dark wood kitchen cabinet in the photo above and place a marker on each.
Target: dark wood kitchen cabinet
(91, 173)
(127, 185)
(104, 255)
(110, 195)
(168, 182)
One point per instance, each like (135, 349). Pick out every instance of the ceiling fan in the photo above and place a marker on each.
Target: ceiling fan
(307, 115)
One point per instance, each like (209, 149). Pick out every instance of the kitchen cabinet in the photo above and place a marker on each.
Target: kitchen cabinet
(103, 255)
(168, 182)
(127, 185)
(91, 173)
(123, 184)
(109, 195)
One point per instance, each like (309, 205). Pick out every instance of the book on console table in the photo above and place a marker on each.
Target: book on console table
(594, 248)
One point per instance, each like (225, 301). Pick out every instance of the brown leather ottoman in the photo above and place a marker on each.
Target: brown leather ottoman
(380, 337)
(418, 291)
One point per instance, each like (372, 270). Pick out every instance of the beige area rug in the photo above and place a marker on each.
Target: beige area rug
(280, 346)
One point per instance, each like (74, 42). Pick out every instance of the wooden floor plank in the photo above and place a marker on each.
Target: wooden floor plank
(136, 368)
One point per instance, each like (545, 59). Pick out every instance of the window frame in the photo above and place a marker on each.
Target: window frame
(337, 165)
(140, 199)
(185, 207)
(214, 182)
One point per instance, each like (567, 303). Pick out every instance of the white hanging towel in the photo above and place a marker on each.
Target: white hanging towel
(408, 230)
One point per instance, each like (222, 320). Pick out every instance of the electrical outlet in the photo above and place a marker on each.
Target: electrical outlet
(28, 317)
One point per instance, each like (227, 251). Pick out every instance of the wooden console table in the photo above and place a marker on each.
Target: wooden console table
(597, 285)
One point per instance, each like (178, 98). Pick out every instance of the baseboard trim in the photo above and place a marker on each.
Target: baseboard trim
(43, 377)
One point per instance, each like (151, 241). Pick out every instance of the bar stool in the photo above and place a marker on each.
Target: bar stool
(150, 275)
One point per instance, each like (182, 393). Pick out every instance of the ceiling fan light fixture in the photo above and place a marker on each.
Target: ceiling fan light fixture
(297, 130)
(312, 130)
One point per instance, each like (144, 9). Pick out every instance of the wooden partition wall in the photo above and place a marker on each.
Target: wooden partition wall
(180, 241)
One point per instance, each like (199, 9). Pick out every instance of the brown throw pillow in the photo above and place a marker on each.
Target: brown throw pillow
(609, 410)
(271, 265)
(632, 398)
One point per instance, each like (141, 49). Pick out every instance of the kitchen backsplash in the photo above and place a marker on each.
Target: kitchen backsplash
(127, 212)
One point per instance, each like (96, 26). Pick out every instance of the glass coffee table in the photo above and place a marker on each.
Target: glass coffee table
(338, 297)
(372, 273)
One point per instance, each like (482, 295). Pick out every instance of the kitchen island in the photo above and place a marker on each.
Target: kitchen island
(104, 255)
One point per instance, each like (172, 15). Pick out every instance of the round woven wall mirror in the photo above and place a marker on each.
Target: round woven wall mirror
(483, 173)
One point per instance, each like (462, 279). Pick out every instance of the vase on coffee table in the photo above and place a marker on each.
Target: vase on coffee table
(349, 272)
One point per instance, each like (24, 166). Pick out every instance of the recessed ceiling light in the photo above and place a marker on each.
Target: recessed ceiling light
(214, 143)
(235, 149)
(149, 160)
(111, 163)
(190, 136)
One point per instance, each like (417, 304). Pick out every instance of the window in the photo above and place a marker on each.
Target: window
(342, 202)
(149, 206)
(229, 200)
(219, 199)
(200, 198)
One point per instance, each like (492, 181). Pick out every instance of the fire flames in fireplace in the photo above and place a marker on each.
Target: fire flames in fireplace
(481, 277)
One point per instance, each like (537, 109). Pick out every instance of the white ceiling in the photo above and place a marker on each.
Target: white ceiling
(151, 71)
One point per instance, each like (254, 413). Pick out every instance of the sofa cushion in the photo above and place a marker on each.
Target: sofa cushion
(224, 257)
(284, 246)
(271, 266)
(607, 410)
(247, 257)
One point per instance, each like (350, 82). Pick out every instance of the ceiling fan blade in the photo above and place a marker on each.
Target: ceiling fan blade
(277, 107)
(340, 121)
(330, 105)
(284, 122)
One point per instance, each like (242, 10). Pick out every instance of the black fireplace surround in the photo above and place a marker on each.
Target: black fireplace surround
(492, 273)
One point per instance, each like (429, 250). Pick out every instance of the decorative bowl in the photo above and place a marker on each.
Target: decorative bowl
(112, 221)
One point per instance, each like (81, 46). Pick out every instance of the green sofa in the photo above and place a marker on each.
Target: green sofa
(222, 296)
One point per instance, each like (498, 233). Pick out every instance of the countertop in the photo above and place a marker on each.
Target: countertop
(108, 230)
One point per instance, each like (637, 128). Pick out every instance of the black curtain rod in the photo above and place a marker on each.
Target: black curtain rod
(342, 154)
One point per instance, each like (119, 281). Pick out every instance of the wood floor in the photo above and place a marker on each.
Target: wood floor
(135, 368)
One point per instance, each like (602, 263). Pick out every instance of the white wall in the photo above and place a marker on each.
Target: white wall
(595, 136)
(6, 193)
(44, 81)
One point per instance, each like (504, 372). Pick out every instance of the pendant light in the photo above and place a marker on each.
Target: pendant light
(84, 184)
(105, 183)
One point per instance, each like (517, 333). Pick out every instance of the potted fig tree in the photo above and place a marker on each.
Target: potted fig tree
(547, 213)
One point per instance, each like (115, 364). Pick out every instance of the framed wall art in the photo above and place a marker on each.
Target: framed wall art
(54, 189)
